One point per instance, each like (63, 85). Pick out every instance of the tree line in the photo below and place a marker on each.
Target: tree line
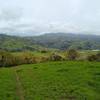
(8, 59)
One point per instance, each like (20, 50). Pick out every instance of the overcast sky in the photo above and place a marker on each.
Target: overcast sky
(31, 17)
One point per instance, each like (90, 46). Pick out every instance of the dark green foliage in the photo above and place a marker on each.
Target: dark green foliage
(44, 51)
(55, 57)
(95, 57)
(72, 54)
(98, 56)
(92, 58)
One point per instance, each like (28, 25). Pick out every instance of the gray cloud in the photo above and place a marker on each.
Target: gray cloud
(10, 14)
(38, 16)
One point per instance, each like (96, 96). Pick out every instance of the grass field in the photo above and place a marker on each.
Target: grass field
(51, 81)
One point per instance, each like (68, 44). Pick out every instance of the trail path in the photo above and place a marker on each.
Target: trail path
(19, 86)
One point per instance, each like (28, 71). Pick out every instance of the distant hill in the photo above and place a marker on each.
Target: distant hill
(61, 41)
(15, 43)
(64, 41)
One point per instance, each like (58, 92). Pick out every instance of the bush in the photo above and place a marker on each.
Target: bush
(44, 59)
(44, 51)
(6, 59)
(72, 54)
(92, 58)
(98, 56)
(55, 57)
(27, 58)
(95, 57)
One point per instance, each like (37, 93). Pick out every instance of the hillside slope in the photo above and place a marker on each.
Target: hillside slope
(60, 41)
(64, 41)
(14, 43)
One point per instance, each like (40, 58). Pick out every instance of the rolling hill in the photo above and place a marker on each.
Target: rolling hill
(15, 43)
(64, 41)
(60, 41)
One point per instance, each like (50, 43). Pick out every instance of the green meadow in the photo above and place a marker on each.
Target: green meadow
(62, 80)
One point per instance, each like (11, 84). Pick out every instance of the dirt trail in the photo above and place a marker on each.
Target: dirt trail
(19, 86)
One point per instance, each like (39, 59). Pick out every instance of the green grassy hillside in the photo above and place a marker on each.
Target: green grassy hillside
(15, 43)
(51, 81)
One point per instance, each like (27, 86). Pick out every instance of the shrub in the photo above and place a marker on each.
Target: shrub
(95, 57)
(27, 58)
(6, 59)
(44, 51)
(92, 58)
(72, 54)
(55, 57)
(98, 56)
(44, 59)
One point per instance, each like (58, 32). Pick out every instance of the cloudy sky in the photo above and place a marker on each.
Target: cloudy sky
(32, 17)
